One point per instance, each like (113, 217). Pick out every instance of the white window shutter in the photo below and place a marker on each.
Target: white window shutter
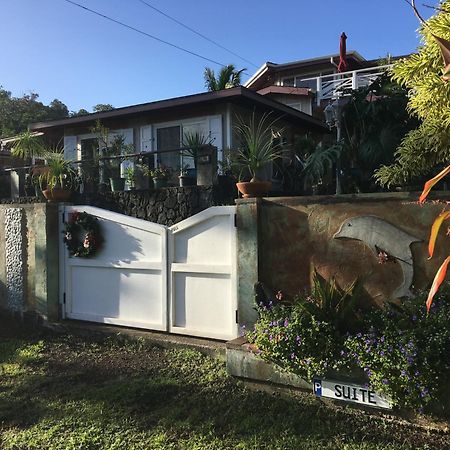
(215, 131)
(70, 148)
(146, 138)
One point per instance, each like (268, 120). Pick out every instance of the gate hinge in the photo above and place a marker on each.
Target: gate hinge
(235, 221)
(63, 217)
(64, 298)
(237, 316)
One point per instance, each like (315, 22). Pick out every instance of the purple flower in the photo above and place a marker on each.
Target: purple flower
(416, 373)
(385, 381)
(414, 318)
(382, 339)
(270, 338)
(298, 338)
(382, 353)
(286, 322)
(359, 335)
(292, 355)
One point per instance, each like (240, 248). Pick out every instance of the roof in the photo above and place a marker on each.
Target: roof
(237, 94)
(270, 66)
(287, 90)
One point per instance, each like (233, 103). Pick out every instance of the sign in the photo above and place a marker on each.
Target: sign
(348, 392)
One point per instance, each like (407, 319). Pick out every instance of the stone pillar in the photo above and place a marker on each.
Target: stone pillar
(206, 166)
(46, 275)
(17, 184)
(15, 259)
(247, 220)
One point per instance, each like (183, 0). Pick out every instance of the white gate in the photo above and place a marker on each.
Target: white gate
(180, 279)
(203, 291)
(126, 283)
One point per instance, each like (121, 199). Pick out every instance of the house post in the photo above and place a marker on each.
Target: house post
(206, 165)
(248, 255)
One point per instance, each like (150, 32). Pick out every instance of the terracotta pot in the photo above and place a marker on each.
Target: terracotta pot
(251, 189)
(57, 195)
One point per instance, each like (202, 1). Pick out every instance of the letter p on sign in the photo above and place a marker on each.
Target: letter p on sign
(317, 384)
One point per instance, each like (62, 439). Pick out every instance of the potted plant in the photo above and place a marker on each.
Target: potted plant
(159, 175)
(28, 145)
(116, 149)
(184, 177)
(260, 146)
(130, 177)
(60, 179)
(192, 142)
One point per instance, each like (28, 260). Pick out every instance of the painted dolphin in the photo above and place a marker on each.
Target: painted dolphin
(380, 235)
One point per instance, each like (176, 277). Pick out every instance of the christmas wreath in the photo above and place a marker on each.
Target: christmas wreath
(82, 234)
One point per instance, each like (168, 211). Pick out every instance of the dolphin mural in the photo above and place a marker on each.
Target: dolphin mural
(381, 236)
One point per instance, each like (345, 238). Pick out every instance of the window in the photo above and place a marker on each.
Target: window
(169, 138)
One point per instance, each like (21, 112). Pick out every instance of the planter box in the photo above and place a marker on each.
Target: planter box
(243, 363)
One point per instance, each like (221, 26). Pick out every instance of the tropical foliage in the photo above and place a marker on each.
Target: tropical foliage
(373, 124)
(260, 144)
(429, 101)
(228, 77)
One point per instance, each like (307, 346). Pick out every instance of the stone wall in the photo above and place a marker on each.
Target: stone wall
(29, 260)
(379, 238)
(165, 206)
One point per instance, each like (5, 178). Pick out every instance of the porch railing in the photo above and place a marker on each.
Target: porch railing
(340, 84)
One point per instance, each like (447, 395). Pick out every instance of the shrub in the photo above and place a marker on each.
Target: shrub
(399, 350)
(296, 340)
(405, 353)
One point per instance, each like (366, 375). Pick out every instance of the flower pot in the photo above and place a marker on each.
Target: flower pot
(159, 183)
(57, 195)
(117, 184)
(250, 189)
(186, 180)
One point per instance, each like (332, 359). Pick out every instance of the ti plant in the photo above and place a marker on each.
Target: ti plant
(442, 271)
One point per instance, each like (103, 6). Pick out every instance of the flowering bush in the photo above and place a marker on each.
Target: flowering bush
(296, 340)
(400, 350)
(405, 353)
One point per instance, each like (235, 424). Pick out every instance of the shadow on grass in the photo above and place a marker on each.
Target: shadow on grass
(183, 400)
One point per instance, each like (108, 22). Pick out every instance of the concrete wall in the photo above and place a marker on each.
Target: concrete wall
(29, 260)
(295, 235)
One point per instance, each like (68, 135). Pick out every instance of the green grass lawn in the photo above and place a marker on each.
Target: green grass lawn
(78, 393)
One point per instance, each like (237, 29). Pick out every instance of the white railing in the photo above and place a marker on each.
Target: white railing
(339, 84)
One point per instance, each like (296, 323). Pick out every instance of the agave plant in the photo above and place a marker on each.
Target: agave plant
(193, 141)
(260, 144)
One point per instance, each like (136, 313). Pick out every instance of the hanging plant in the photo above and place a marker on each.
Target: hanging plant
(82, 234)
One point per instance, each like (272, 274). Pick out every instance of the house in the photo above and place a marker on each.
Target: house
(309, 83)
(159, 126)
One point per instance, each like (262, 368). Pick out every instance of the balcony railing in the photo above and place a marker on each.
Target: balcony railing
(339, 84)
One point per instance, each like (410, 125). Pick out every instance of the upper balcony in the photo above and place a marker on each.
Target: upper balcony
(328, 87)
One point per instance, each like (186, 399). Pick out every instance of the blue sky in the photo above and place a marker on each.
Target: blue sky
(61, 51)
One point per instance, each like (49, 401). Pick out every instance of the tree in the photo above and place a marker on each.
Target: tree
(374, 122)
(429, 100)
(16, 113)
(101, 107)
(228, 77)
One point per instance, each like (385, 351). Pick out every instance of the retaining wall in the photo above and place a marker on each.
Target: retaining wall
(380, 238)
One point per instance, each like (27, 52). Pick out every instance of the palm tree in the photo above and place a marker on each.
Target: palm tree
(228, 77)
